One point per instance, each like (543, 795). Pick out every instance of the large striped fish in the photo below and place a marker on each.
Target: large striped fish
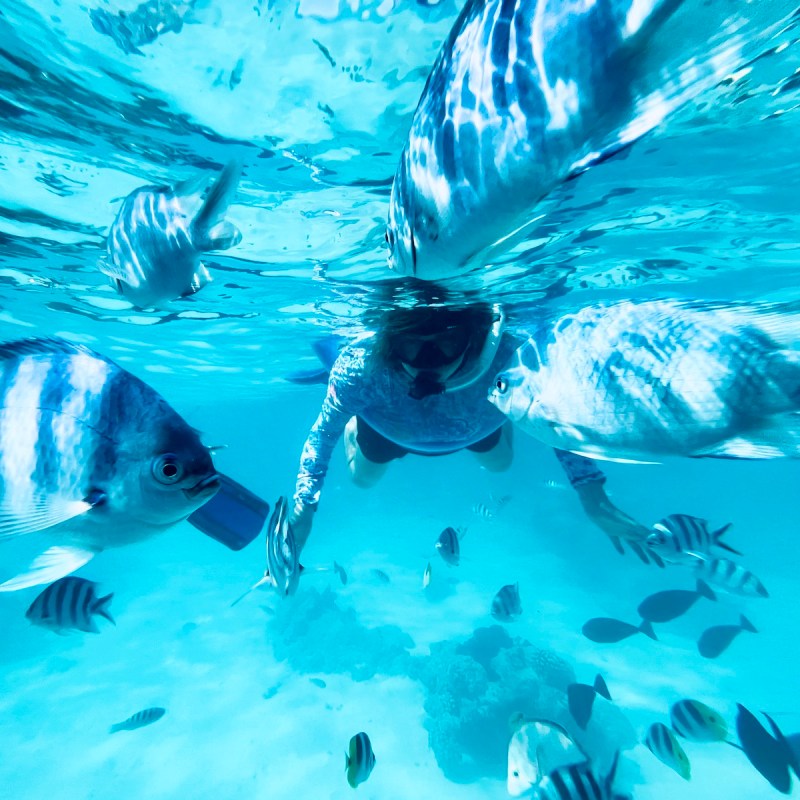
(527, 93)
(155, 243)
(636, 381)
(91, 455)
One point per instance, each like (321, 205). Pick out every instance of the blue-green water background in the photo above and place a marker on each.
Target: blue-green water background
(316, 99)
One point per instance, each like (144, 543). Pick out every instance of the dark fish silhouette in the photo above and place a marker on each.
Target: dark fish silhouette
(580, 698)
(380, 575)
(672, 603)
(715, 641)
(139, 720)
(605, 630)
(770, 756)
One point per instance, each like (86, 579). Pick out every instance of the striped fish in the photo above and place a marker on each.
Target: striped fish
(449, 547)
(70, 604)
(155, 243)
(697, 722)
(526, 94)
(729, 576)
(678, 538)
(578, 782)
(91, 454)
(506, 604)
(491, 509)
(637, 381)
(139, 720)
(661, 742)
(359, 760)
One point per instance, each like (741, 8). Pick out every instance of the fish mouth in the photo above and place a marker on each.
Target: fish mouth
(205, 487)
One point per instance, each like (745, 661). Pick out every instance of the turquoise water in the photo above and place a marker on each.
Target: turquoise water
(316, 98)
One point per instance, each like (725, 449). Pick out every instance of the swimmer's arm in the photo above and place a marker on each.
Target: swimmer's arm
(588, 480)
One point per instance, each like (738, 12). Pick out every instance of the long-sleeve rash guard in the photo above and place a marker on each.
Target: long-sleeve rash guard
(363, 385)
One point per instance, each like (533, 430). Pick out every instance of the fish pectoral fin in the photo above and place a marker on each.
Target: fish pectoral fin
(41, 513)
(54, 563)
(109, 268)
(200, 279)
(222, 236)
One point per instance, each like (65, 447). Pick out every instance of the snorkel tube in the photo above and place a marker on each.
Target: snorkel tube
(478, 366)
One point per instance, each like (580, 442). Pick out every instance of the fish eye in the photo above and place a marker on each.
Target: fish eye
(167, 469)
(501, 384)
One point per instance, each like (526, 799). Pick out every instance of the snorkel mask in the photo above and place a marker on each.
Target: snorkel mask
(445, 359)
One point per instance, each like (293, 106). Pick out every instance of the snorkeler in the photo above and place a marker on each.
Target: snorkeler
(418, 383)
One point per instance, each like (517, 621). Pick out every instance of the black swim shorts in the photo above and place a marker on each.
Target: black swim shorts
(379, 450)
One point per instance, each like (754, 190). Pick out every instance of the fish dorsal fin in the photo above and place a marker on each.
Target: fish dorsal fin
(55, 563)
(45, 346)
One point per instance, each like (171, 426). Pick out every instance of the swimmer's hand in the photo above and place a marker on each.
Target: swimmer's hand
(616, 524)
(300, 525)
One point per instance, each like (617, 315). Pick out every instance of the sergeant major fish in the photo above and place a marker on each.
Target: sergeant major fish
(506, 605)
(91, 455)
(70, 604)
(697, 722)
(679, 537)
(725, 574)
(359, 760)
(661, 742)
(526, 94)
(155, 243)
(579, 782)
(636, 381)
(139, 720)
(449, 547)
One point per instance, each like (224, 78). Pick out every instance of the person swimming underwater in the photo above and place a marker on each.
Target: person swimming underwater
(418, 383)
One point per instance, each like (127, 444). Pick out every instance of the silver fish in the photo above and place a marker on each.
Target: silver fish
(526, 94)
(506, 604)
(678, 538)
(713, 642)
(139, 720)
(697, 722)
(731, 577)
(661, 742)
(155, 243)
(537, 747)
(91, 454)
(70, 604)
(636, 381)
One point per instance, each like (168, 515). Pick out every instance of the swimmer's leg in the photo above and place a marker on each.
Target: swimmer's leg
(496, 452)
(365, 473)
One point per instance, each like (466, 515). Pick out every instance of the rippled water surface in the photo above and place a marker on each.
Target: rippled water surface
(315, 98)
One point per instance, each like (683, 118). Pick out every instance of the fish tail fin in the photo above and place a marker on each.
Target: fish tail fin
(241, 597)
(715, 537)
(309, 377)
(647, 629)
(210, 231)
(101, 607)
(746, 625)
(601, 687)
(612, 774)
(704, 590)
